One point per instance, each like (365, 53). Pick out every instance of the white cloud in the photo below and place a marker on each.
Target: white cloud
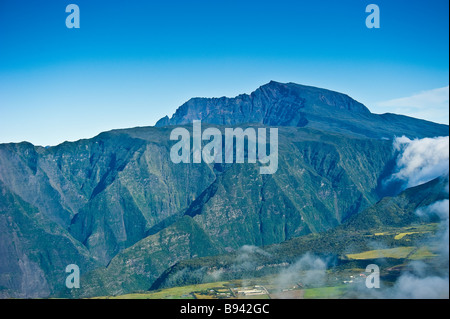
(421, 160)
(309, 270)
(432, 105)
(410, 286)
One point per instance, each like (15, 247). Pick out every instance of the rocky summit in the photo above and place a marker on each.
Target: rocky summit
(290, 104)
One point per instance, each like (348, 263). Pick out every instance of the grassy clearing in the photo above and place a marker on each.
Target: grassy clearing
(324, 292)
(399, 252)
(401, 235)
(200, 296)
(422, 253)
(183, 292)
(400, 232)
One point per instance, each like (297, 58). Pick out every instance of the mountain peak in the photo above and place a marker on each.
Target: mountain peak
(273, 103)
(291, 104)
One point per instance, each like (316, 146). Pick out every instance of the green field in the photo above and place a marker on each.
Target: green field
(184, 292)
(324, 292)
(399, 233)
(398, 252)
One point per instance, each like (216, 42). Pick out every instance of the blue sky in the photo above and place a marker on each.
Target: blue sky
(132, 62)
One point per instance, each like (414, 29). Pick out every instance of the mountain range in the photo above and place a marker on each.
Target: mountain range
(118, 207)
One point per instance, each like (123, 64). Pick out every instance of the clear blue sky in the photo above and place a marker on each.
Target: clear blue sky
(132, 62)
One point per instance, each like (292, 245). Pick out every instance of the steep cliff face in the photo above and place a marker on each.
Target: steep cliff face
(322, 180)
(107, 191)
(34, 250)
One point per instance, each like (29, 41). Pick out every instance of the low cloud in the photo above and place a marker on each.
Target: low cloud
(411, 286)
(421, 160)
(309, 270)
(441, 210)
(422, 280)
(247, 258)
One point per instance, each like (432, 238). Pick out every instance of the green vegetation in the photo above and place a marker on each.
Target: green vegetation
(399, 252)
(422, 253)
(182, 292)
(325, 292)
(401, 235)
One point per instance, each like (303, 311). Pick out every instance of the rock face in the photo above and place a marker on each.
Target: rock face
(290, 104)
(322, 180)
(34, 250)
(118, 207)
